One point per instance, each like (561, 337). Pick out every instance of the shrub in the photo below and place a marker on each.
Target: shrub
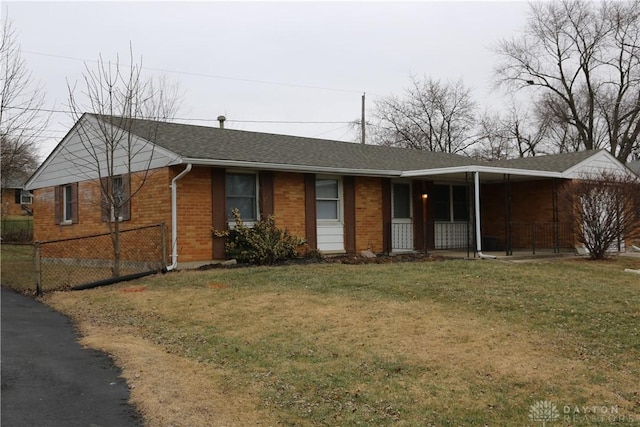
(262, 244)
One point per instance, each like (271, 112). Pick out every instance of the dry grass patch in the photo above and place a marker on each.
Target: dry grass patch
(447, 343)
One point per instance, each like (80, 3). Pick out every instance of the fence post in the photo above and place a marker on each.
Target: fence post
(163, 242)
(533, 237)
(37, 267)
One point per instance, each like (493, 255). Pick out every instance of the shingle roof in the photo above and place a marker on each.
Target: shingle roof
(551, 163)
(202, 142)
(635, 167)
(212, 143)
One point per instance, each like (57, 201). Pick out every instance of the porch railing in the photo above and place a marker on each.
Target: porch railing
(532, 237)
(527, 236)
(402, 236)
(451, 235)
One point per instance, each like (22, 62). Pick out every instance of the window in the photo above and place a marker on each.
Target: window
(23, 197)
(66, 204)
(26, 198)
(241, 194)
(440, 200)
(401, 201)
(116, 194)
(450, 203)
(459, 201)
(327, 199)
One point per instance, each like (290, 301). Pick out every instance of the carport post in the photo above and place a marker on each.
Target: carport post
(476, 185)
(36, 260)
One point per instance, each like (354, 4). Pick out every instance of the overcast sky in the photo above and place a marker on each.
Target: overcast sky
(268, 61)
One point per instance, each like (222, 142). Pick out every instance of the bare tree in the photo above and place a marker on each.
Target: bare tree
(432, 115)
(494, 141)
(605, 210)
(513, 133)
(21, 118)
(114, 140)
(584, 57)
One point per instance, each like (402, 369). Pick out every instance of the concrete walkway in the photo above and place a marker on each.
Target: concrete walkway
(48, 379)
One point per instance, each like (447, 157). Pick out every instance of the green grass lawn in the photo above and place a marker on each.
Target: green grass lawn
(17, 267)
(16, 228)
(450, 343)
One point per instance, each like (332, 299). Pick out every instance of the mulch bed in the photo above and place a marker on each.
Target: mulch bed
(344, 259)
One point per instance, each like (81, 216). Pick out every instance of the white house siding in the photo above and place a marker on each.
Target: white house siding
(72, 162)
(330, 237)
(595, 166)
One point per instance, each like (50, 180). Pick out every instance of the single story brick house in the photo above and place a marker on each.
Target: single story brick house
(341, 197)
(16, 201)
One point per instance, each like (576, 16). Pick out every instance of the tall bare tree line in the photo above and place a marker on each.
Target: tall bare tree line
(21, 119)
(578, 62)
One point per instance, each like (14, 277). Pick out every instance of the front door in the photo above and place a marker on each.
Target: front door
(401, 221)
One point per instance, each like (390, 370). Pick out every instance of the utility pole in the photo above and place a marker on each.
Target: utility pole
(362, 121)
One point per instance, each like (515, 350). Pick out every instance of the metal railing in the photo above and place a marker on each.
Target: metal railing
(528, 236)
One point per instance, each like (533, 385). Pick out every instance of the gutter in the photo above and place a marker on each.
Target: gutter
(479, 168)
(174, 217)
(291, 168)
(476, 184)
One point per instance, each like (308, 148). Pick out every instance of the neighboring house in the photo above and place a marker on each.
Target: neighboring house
(341, 197)
(634, 166)
(16, 201)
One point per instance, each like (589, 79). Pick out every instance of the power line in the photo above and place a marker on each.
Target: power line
(213, 76)
(47, 110)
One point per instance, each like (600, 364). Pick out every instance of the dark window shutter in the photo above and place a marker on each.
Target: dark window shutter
(18, 193)
(57, 208)
(266, 194)
(311, 233)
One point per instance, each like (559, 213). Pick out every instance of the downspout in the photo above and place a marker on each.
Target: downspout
(476, 182)
(174, 217)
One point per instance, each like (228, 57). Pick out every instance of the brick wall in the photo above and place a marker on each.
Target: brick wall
(288, 202)
(151, 205)
(195, 239)
(369, 231)
(9, 205)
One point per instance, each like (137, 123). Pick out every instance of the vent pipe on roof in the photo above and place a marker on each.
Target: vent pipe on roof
(221, 120)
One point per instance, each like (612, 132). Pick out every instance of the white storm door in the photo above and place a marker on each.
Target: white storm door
(401, 218)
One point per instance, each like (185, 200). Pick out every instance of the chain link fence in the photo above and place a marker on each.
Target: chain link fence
(62, 264)
(16, 230)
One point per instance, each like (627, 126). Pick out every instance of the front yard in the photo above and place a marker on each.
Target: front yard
(447, 343)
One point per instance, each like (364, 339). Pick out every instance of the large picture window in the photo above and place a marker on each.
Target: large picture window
(327, 199)
(241, 194)
(450, 203)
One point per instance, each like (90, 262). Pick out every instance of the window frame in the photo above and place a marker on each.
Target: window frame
(339, 200)
(28, 195)
(450, 203)
(256, 199)
(66, 215)
(106, 185)
(393, 200)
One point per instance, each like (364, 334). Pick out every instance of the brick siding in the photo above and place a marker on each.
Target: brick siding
(369, 230)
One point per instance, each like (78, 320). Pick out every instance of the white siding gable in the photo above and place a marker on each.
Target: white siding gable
(81, 156)
(595, 165)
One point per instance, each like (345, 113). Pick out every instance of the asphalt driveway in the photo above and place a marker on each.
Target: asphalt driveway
(48, 379)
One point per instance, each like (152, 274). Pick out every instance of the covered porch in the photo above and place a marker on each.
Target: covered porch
(481, 211)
